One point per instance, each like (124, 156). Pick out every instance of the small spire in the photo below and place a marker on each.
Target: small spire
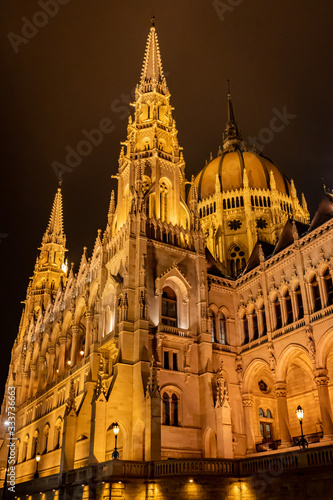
(217, 184)
(245, 179)
(55, 231)
(231, 135)
(272, 180)
(112, 207)
(152, 21)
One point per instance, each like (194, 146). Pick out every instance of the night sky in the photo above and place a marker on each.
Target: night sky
(82, 66)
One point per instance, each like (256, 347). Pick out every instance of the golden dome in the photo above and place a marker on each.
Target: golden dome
(230, 167)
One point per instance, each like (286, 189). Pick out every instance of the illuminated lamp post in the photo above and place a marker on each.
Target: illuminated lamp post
(302, 442)
(115, 428)
(36, 475)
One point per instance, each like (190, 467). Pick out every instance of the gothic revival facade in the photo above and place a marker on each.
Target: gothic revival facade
(200, 322)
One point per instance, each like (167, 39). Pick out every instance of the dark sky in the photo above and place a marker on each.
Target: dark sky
(88, 57)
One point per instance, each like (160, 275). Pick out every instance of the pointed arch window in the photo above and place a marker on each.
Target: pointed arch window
(329, 286)
(299, 302)
(266, 425)
(246, 330)
(278, 315)
(57, 433)
(315, 294)
(174, 410)
(255, 326)
(212, 321)
(25, 448)
(34, 444)
(289, 309)
(223, 329)
(166, 409)
(170, 409)
(169, 307)
(237, 261)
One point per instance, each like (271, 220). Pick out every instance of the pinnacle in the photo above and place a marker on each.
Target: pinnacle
(55, 231)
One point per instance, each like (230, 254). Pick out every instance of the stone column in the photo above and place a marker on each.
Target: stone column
(51, 352)
(25, 385)
(248, 422)
(75, 334)
(89, 320)
(321, 380)
(281, 395)
(62, 354)
(41, 374)
(33, 372)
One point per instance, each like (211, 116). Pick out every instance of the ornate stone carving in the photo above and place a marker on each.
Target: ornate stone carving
(70, 403)
(281, 390)
(310, 343)
(239, 367)
(271, 359)
(222, 396)
(100, 388)
(152, 389)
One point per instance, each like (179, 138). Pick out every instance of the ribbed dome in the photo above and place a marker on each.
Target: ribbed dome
(230, 167)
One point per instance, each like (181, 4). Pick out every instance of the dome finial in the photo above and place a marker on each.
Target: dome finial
(231, 136)
(152, 20)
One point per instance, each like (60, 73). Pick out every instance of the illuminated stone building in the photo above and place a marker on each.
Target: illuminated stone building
(200, 322)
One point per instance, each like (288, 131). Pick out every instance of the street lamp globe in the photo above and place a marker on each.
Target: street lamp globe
(115, 428)
(37, 457)
(299, 413)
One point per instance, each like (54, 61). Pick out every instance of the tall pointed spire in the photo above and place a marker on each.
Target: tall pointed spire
(231, 136)
(55, 230)
(152, 71)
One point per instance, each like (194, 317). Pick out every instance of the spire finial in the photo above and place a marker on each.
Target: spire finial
(152, 70)
(55, 231)
(232, 135)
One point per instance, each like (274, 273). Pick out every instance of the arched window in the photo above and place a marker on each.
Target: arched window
(289, 309)
(174, 410)
(17, 450)
(255, 326)
(266, 425)
(25, 447)
(223, 329)
(246, 330)
(315, 294)
(164, 192)
(166, 409)
(57, 433)
(212, 325)
(299, 301)
(34, 444)
(169, 307)
(278, 316)
(262, 312)
(46, 438)
(329, 286)
(237, 261)
(224, 204)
